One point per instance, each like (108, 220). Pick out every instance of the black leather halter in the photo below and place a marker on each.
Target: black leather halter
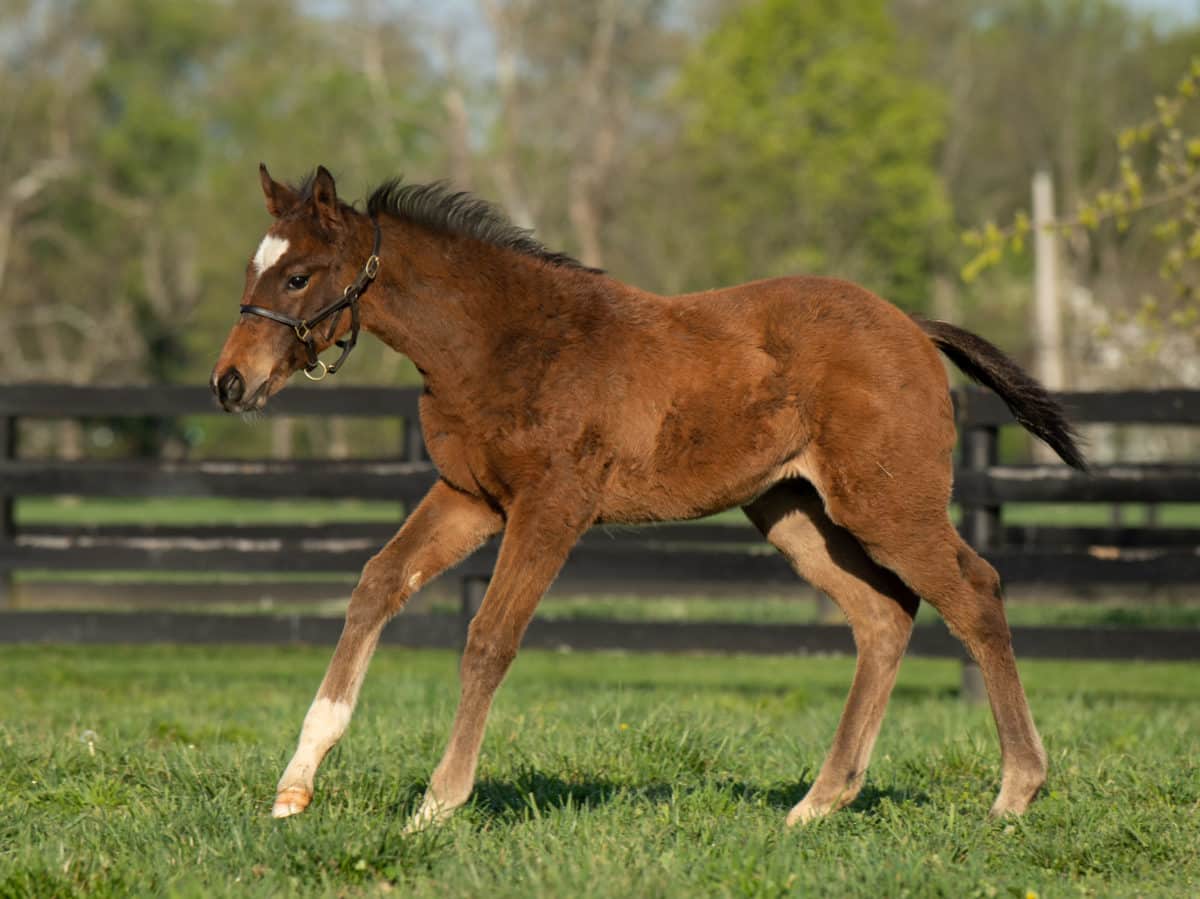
(303, 326)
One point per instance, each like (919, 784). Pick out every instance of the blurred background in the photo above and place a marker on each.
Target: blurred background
(680, 145)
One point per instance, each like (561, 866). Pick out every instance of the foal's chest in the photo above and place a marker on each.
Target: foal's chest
(460, 450)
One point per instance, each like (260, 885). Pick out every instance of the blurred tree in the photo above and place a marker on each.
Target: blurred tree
(569, 86)
(45, 105)
(130, 131)
(680, 145)
(1051, 83)
(814, 139)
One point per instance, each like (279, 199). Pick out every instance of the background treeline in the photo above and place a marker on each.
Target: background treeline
(681, 145)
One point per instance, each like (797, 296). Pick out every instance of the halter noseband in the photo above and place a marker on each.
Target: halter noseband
(303, 327)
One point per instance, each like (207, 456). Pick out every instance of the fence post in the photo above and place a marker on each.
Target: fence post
(980, 451)
(828, 611)
(414, 441)
(981, 527)
(8, 520)
(473, 589)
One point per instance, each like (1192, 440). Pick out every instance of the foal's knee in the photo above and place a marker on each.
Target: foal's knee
(381, 592)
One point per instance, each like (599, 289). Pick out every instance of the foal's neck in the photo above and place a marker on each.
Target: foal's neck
(448, 301)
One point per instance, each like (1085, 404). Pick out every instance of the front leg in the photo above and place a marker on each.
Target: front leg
(445, 527)
(534, 547)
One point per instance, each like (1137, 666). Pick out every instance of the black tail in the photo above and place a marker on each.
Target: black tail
(1028, 400)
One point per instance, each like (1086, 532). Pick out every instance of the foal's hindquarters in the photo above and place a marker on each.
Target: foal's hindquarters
(877, 543)
(868, 524)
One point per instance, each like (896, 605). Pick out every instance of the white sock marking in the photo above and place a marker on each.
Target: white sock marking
(325, 723)
(269, 252)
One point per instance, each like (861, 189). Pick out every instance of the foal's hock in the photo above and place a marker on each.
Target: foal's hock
(558, 397)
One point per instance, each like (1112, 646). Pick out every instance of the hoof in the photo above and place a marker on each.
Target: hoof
(1008, 810)
(430, 813)
(808, 810)
(291, 801)
(803, 814)
(1015, 800)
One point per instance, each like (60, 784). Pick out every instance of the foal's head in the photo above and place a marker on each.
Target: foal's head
(303, 264)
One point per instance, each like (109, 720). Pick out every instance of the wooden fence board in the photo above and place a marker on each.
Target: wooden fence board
(1016, 536)
(396, 480)
(602, 559)
(259, 479)
(977, 407)
(1002, 484)
(445, 631)
(66, 401)
(1024, 537)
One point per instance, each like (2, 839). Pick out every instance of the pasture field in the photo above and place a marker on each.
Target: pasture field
(150, 771)
(184, 510)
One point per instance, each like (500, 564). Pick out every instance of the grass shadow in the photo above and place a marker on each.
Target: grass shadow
(765, 691)
(532, 792)
(785, 796)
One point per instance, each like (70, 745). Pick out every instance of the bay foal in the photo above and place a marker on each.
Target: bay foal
(557, 398)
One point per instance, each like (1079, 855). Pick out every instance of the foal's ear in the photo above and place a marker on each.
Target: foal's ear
(324, 198)
(280, 197)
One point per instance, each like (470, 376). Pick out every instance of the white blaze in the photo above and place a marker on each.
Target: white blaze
(269, 252)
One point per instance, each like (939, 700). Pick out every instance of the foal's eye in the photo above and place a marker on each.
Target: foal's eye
(297, 282)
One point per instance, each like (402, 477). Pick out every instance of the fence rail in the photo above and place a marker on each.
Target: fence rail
(442, 631)
(651, 556)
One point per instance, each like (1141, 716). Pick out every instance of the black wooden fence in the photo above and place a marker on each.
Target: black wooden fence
(646, 558)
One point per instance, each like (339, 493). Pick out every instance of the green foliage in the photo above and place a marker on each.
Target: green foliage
(151, 770)
(1156, 179)
(817, 140)
(753, 139)
(161, 113)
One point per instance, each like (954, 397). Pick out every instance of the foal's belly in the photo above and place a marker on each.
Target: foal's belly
(689, 494)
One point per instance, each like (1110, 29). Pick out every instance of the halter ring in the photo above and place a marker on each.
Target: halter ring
(308, 372)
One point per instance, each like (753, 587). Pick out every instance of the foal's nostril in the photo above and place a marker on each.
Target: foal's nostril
(231, 386)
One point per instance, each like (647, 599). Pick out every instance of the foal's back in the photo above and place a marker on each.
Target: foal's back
(726, 392)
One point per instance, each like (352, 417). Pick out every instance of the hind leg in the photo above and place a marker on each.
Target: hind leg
(965, 590)
(880, 609)
(909, 532)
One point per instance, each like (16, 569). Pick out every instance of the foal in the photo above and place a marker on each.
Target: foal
(557, 398)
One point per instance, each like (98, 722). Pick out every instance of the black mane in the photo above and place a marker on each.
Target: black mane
(440, 208)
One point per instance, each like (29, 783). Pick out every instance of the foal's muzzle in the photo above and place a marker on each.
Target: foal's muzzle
(229, 388)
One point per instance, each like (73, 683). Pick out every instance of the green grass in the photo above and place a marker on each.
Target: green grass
(182, 511)
(150, 771)
(51, 510)
(800, 611)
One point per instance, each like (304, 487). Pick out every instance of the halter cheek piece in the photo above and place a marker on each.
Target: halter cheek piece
(303, 327)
